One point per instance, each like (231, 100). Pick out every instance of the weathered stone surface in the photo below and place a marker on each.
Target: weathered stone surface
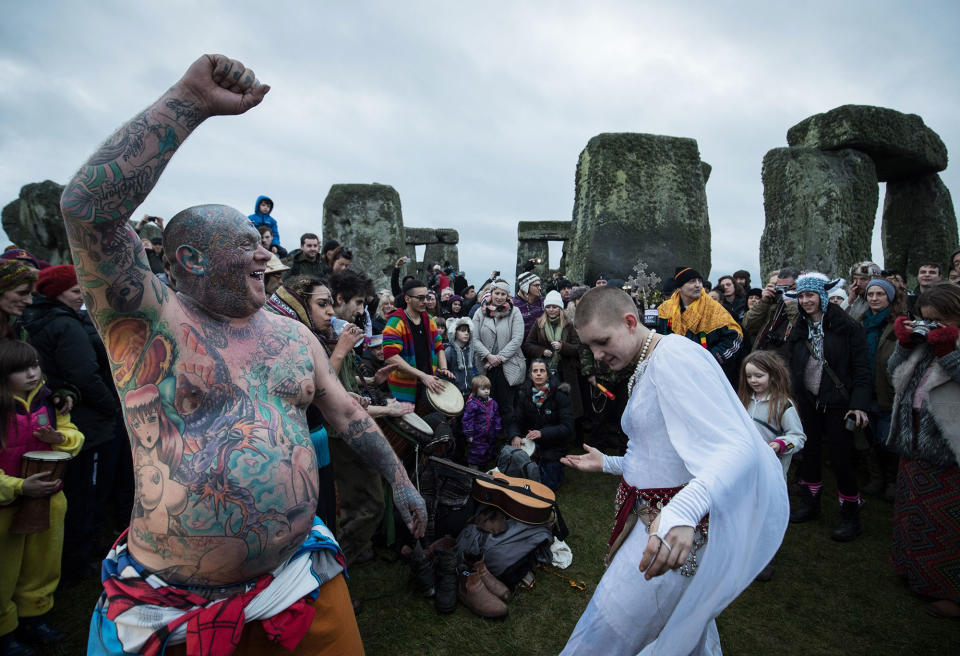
(369, 219)
(34, 222)
(919, 225)
(820, 208)
(638, 197)
(448, 236)
(421, 236)
(543, 230)
(442, 253)
(705, 169)
(901, 145)
(528, 249)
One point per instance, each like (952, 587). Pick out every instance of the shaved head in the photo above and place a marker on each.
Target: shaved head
(216, 257)
(606, 304)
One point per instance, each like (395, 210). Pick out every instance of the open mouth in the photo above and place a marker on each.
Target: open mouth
(257, 275)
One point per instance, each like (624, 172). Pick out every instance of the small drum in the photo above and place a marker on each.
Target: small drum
(404, 433)
(449, 401)
(33, 513)
(528, 446)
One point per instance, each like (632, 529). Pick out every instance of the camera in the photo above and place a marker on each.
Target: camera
(496, 274)
(850, 424)
(781, 289)
(921, 327)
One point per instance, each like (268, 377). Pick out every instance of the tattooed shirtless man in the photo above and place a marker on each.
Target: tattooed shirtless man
(215, 391)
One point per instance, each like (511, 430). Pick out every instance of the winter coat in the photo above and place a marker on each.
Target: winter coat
(481, 425)
(769, 324)
(258, 219)
(32, 412)
(935, 433)
(569, 365)
(301, 265)
(789, 429)
(553, 419)
(529, 311)
(503, 336)
(844, 349)
(882, 377)
(463, 377)
(72, 354)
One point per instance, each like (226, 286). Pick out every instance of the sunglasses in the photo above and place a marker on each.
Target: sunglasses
(420, 297)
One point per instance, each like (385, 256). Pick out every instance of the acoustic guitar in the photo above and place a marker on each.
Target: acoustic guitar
(524, 500)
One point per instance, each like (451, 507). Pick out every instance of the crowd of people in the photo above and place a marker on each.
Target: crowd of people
(154, 396)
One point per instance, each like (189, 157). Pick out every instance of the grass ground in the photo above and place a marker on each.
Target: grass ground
(825, 599)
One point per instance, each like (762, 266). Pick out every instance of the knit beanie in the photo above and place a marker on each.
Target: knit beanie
(885, 285)
(840, 293)
(817, 283)
(525, 279)
(553, 298)
(683, 275)
(14, 273)
(578, 291)
(55, 280)
(499, 284)
(14, 253)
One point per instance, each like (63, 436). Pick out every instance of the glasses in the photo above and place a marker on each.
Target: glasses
(420, 297)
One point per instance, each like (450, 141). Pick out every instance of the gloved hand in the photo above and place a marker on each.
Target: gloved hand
(943, 340)
(904, 333)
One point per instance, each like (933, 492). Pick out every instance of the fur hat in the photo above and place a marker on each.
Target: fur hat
(455, 322)
(525, 279)
(885, 285)
(553, 298)
(683, 275)
(55, 280)
(578, 291)
(14, 273)
(866, 268)
(814, 281)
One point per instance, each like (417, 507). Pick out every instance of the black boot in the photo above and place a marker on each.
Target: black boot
(809, 507)
(877, 483)
(445, 600)
(849, 527)
(421, 567)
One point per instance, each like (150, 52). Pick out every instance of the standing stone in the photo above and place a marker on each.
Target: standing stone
(919, 225)
(443, 250)
(820, 209)
(368, 219)
(33, 222)
(533, 241)
(901, 145)
(638, 197)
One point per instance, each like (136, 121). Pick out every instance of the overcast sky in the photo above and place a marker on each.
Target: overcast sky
(476, 115)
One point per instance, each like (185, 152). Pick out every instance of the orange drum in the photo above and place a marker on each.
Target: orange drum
(406, 432)
(33, 513)
(448, 402)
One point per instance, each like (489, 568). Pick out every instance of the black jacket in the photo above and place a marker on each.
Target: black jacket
(72, 354)
(845, 350)
(553, 419)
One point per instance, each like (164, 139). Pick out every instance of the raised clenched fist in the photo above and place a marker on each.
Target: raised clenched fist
(222, 86)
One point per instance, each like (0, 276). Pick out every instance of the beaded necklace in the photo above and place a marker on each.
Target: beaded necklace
(641, 365)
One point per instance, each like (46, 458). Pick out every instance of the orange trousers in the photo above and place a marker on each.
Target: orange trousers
(334, 631)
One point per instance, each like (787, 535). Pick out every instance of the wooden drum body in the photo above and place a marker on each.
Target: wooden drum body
(405, 433)
(33, 513)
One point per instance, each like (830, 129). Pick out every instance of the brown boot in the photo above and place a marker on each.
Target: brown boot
(475, 596)
(492, 582)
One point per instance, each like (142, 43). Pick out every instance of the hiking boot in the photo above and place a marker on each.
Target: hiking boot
(474, 595)
(849, 527)
(445, 600)
(493, 584)
(421, 566)
(809, 507)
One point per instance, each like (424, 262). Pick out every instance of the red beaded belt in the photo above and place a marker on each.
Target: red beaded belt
(655, 499)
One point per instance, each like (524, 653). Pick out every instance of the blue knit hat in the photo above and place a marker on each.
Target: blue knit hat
(885, 285)
(814, 281)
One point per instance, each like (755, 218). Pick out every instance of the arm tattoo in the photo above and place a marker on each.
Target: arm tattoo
(364, 437)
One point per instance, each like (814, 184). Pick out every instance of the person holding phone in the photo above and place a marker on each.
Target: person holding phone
(832, 386)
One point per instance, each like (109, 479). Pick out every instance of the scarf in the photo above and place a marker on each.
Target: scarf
(464, 355)
(539, 396)
(495, 311)
(286, 303)
(816, 337)
(873, 325)
(553, 331)
(701, 317)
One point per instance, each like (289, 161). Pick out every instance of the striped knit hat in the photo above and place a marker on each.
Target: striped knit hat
(815, 282)
(14, 273)
(525, 279)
